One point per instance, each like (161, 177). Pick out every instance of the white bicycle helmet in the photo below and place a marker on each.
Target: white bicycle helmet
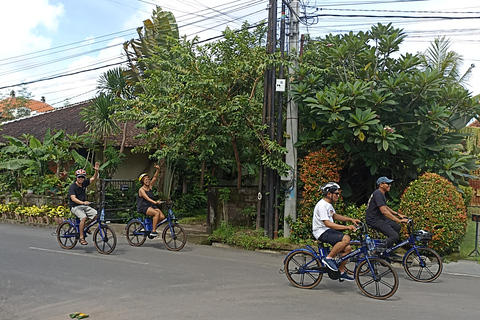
(329, 187)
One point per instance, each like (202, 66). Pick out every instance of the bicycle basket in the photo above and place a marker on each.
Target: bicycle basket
(422, 235)
(379, 246)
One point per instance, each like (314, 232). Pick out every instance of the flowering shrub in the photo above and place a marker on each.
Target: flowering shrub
(436, 206)
(316, 169)
(24, 212)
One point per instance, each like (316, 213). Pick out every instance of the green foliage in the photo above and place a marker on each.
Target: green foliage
(191, 204)
(316, 169)
(436, 206)
(27, 162)
(204, 104)
(114, 159)
(241, 237)
(354, 95)
(467, 195)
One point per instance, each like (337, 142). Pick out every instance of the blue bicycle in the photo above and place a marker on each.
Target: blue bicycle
(420, 263)
(173, 236)
(375, 277)
(68, 233)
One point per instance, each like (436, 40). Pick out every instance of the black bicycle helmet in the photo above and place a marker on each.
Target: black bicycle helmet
(329, 187)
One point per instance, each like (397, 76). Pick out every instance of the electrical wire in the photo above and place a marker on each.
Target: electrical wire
(233, 7)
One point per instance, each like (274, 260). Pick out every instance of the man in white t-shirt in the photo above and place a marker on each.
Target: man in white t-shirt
(326, 230)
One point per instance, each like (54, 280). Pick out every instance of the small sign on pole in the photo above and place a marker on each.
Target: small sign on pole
(280, 86)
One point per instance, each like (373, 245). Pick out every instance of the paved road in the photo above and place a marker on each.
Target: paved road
(39, 280)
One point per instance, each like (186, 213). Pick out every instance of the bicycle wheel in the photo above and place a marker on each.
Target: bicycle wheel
(108, 242)
(298, 268)
(66, 235)
(174, 237)
(135, 235)
(425, 266)
(377, 279)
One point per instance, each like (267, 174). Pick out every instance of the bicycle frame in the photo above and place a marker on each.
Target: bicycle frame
(75, 222)
(146, 222)
(361, 252)
(410, 240)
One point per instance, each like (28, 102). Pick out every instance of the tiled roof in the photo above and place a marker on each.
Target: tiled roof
(12, 102)
(67, 119)
(474, 124)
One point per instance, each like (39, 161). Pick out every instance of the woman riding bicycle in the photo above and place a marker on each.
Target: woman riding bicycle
(145, 203)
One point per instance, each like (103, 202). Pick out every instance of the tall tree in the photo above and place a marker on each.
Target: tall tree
(98, 117)
(206, 101)
(114, 83)
(154, 33)
(391, 115)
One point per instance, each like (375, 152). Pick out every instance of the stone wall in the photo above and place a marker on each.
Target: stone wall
(230, 211)
(31, 199)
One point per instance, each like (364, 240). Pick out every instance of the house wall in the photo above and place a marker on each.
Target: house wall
(133, 165)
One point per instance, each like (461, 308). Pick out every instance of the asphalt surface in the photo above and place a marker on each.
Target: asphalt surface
(39, 280)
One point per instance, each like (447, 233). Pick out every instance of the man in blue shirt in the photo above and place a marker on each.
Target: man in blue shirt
(381, 217)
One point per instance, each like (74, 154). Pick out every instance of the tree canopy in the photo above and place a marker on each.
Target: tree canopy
(394, 114)
(206, 102)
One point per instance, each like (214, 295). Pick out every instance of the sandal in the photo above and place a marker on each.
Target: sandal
(83, 242)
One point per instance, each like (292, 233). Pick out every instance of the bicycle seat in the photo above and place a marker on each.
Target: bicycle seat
(323, 244)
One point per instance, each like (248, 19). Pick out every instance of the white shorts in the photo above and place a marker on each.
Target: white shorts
(83, 211)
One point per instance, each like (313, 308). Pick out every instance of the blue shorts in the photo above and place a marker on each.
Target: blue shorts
(331, 236)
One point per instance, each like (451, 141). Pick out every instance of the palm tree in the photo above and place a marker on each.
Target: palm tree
(98, 117)
(113, 83)
(439, 57)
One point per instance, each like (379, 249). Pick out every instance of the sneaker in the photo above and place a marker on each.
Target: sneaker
(330, 263)
(154, 234)
(345, 277)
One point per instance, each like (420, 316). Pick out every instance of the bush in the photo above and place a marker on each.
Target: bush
(241, 237)
(467, 195)
(316, 169)
(436, 206)
(191, 204)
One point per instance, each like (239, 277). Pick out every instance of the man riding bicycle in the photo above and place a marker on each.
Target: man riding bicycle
(77, 199)
(326, 230)
(381, 217)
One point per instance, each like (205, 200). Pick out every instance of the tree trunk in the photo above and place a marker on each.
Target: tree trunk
(239, 164)
(105, 140)
(184, 186)
(124, 137)
(202, 175)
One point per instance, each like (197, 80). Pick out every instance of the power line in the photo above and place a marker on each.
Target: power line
(63, 75)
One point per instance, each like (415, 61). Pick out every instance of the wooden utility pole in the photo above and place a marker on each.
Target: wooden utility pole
(269, 106)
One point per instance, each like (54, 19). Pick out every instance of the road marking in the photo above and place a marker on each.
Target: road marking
(462, 274)
(89, 255)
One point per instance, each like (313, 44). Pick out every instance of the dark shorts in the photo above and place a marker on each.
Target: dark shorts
(331, 236)
(143, 209)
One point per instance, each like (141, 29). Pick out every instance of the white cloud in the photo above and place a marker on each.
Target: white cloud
(23, 20)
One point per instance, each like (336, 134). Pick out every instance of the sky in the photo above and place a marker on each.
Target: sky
(74, 42)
